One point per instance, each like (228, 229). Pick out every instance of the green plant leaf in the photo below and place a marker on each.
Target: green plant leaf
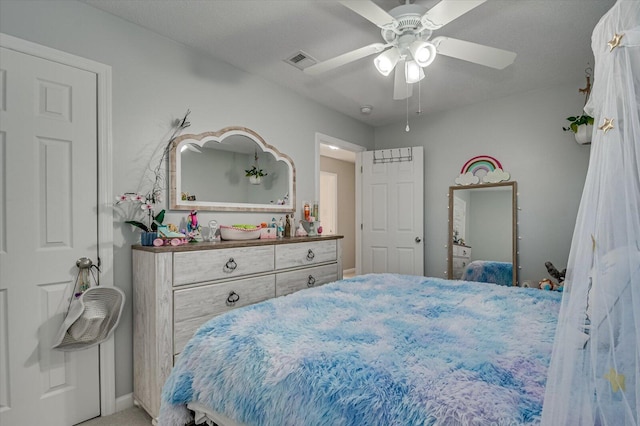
(572, 118)
(138, 225)
(157, 220)
(574, 127)
(160, 217)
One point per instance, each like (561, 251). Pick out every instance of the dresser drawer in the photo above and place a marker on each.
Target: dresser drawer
(292, 281)
(192, 307)
(460, 263)
(208, 265)
(461, 251)
(304, 254)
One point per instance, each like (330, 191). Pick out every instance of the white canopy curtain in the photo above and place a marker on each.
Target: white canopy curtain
(594, 376)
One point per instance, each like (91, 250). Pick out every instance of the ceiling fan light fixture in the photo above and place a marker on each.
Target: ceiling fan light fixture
(413, 73)
(423, 52)
(386, 61)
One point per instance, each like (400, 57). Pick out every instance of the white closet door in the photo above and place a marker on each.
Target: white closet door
(48, 219)
(392, 211)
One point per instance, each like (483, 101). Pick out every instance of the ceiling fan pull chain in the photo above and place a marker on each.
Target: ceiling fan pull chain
(406, 129)
(419, 100)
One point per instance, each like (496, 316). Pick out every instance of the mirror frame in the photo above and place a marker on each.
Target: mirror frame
(175, 199)
(514, 217)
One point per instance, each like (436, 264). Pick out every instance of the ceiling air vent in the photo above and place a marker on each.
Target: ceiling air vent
(301, 60)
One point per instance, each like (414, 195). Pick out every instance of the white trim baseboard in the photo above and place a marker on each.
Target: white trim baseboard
(105, 188)
(123, 402)
(351, 271)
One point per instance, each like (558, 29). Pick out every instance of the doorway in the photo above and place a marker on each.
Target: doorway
(338, 157)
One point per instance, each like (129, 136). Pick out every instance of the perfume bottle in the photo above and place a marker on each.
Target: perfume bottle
(307, 211)
(213, 229)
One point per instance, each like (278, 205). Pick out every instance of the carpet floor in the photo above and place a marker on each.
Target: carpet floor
(133, 416)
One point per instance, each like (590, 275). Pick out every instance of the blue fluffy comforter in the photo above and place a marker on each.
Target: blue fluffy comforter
(373, 350)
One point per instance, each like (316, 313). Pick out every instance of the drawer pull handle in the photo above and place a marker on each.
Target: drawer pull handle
(233, 298)
(311, 281)
(310, 255)
(231, 265)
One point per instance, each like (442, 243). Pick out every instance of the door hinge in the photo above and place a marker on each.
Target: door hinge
(361, 227)
(360, 169)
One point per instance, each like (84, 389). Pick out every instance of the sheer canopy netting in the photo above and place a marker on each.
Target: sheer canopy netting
(594, 376)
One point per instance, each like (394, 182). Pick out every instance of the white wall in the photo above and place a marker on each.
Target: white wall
(524, 132)
(155, 81)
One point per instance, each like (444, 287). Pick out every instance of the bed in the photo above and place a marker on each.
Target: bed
(486, 271)
(379, 349)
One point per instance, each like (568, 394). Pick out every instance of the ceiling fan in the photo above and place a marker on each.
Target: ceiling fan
(408, 47)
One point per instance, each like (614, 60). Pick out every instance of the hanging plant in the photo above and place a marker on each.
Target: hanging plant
(255, 171)
(578, 121)
(581, 125)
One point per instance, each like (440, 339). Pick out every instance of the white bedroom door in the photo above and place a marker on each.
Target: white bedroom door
(48, 219)
(392, 211)
(329, 202)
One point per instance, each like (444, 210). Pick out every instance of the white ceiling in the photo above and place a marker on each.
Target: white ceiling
(552, 39)
(337, 153)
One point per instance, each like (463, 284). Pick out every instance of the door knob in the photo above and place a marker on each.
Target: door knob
(418, 239)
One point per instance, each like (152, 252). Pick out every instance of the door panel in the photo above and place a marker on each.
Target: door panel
(392, 211)
(48, 219)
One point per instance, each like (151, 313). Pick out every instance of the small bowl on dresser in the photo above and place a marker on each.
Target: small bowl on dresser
(234, 234)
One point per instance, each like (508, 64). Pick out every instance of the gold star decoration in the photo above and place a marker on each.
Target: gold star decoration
(616, 380)
(607, 125)
(615, 41)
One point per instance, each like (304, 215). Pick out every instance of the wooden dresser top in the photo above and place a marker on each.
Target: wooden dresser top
(229, 244)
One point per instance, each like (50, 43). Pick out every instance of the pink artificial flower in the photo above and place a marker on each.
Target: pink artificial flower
(121, 198)
(138, 197)
(146, 206)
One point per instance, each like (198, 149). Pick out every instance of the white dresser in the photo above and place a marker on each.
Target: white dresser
(461, 258)
(177, 289)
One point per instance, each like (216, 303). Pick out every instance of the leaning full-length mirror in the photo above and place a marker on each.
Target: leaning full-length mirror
(482, 233)
(233, 169)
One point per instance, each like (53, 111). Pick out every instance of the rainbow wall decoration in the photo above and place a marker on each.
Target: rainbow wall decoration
(481, 162)
(482, 168)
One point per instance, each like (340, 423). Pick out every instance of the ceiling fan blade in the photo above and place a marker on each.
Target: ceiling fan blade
(345, 58)
(371, 11)
(448, 10)
(473, 52)
(401, 90)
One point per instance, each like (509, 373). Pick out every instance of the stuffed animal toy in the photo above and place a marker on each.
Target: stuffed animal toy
(558, 275)
(545, 284)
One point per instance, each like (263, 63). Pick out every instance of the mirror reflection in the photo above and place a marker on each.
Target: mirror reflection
(230, 170)
(482, 233)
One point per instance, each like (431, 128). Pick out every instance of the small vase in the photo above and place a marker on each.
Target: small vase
(254, 180)
(583, 135)
(146, 238)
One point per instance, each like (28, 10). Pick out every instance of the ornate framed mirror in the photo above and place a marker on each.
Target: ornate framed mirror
(211, 171)
(482, 226)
